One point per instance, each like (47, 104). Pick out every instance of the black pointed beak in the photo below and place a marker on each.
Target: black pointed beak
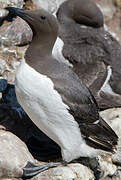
(9, 16)
(24, 14)
(13, 12)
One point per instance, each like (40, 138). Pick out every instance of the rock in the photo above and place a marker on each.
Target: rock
(3, 66)
(3, 15)
(107, 7)
(15, 3)
(2, 127)
(13, 155)
(15, 33)
(3, 12)
(117, 156)
(117, 176)
(113, 118)
(9, 60)
(29, 5)
(106, 178)
(73, 171)
(112, 16)
(11, 179)
(114, 26)
(118, 3)
(106, 165)
(50, 6)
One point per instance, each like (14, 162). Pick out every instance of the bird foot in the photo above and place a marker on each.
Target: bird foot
(32, 169)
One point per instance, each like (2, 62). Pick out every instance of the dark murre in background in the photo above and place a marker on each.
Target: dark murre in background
(93, 53)
(55, 99)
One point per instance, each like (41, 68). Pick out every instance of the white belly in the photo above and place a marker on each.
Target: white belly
(35, 92)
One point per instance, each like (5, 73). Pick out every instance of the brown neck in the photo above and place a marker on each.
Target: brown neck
(39, 50)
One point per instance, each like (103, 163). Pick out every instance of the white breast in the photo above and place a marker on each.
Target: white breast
(106, 86)
(35, 92)
(57, 52)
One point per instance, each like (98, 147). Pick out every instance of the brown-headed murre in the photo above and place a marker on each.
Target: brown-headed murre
(93, 53)
(55, 99)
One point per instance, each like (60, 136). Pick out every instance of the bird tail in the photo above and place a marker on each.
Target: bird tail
(100, 136)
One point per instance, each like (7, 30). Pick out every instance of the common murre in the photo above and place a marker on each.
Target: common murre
(93, 53)
(55, 99)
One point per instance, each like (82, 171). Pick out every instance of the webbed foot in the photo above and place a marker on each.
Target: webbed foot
(32, 169)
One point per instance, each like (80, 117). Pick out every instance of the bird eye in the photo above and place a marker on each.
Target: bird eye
(43, 17)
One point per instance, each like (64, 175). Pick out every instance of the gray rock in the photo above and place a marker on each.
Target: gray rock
(73, 171)
(15, 3)
(2, 127)
(112, 17)
(107, 7)
(15, 33)
(50, 6)
(117, 156)
(117, 175)
(3, 12)
(9, 60)
(106, 165)
(11, 179)
(113, 118)
(13, 155)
